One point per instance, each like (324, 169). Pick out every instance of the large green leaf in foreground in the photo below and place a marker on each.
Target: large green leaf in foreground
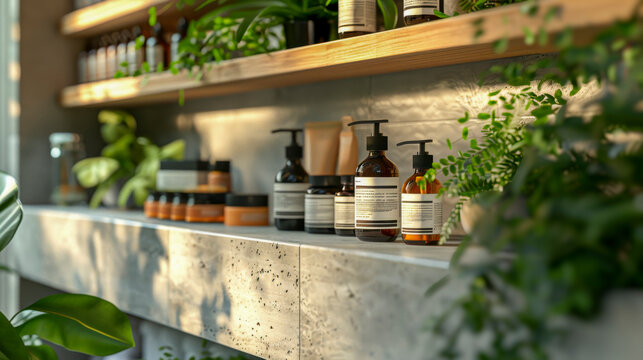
(11, 346)
(10, 209)
(80, 323)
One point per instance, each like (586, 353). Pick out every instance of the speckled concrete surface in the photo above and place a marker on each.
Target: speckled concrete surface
(255, 289)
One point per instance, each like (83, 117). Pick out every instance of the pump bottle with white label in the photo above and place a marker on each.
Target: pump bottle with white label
(290, 188)
(377, 197)
(421, 207)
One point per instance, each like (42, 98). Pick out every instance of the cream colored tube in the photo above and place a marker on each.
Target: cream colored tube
(347, 159)
(321, 145)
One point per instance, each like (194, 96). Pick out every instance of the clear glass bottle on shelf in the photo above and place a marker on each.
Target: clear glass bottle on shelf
(65, 150)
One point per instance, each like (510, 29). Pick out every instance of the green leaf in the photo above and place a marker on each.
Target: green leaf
(444, 162)
(11, 346)
(93, 171)
(80, 323)
(152, 18)
(465, 133)
(41, 352)
(174, 150)
(465, 118)
(449, 144)
(484, 116)
(102, 189)
(440, 14)
(500, 46)
(530, 38)
(389, 13)
(10, 211)
(140, 41)
(137, 185)
(181, 97)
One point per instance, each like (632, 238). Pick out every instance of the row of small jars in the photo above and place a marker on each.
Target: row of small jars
(199, 207)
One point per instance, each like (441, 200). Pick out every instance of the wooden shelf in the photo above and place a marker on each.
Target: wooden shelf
(107, 16)
(439, 43)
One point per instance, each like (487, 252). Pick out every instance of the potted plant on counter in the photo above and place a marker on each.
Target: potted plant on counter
(127, 157)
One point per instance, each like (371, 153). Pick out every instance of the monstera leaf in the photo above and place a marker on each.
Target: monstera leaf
(10, 209)
(77, 322)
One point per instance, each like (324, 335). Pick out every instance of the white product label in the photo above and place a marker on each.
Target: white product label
(356, 15)
(422, 7)
(180, 180)
(155, 57)
(320, 211)
(377, 202)
(101, 64)
(134, 57)
(421, 214)
(289, 200)
(345, 212)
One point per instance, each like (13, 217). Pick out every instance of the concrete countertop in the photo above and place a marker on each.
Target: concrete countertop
(271, 293)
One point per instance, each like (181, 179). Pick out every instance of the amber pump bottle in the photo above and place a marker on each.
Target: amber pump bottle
(421, 208)
(377, 197)
(290, 187)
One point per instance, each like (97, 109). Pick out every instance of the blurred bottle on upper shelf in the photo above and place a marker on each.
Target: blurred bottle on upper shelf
(135, 57)
(420, 11)
(112, 61)
(356, 17)
(179, 34)
(156, 49)
(91, 60)
(121, 51)
(101, 58)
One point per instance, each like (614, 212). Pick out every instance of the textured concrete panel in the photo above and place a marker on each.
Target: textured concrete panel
(358, 306)
(238, 292)
(122, 262)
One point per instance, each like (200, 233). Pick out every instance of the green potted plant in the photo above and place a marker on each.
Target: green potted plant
(561, 195)
(127, 157)
(80, 323)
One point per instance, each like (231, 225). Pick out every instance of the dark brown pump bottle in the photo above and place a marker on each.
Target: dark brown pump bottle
(377, 197)
(290, 187)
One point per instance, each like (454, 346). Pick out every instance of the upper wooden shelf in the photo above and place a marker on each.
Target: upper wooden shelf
(108, 15)
(444, 42)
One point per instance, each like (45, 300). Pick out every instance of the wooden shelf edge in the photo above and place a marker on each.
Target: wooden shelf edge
(106, 16)
(440, 43)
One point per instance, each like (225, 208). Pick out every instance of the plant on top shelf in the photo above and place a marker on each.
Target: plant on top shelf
(77, 322)
(561, 194)
(126, 156)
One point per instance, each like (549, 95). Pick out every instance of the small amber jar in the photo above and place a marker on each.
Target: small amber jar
(179, 207)
(219, 177)
(205, 207)
(165, 206)
(151, 205)
(246, 210)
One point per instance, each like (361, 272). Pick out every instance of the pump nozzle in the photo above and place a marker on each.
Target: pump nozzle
(377, 141)
(294, 150)
(422, 160)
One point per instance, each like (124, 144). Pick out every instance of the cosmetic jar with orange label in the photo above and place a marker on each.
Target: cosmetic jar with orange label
(151, 205)
(165, 206)
(246, 210)
(205, 207)
(179, 207)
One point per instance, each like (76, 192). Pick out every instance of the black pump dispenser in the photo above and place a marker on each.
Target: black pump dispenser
(294, 150)
(377, 141)
(423, 160)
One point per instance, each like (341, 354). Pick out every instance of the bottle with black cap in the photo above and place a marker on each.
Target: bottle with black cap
(377, 198)
(421, 207)
(290, 188)
(345, 207)
(320, 204)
